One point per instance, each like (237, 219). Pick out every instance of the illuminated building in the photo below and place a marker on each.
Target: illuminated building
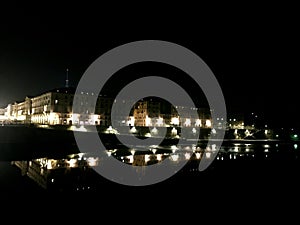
(56, 107)
(2, 115)
(146, 112)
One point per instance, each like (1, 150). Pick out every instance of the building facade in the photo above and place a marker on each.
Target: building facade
(56, 107)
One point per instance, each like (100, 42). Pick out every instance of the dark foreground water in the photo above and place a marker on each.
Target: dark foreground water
(245, 183)
(236, 168)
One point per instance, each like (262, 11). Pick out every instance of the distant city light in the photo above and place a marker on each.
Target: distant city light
(187, 122)
(187, 156)
(175, 120)
(208, 123)
(154, 130)
(133, 130)
(132, 152)
(158, 157)
(147, 158)
(175, 157)
(198, 123)
(148, 121)
(174, 131)
(160, 121)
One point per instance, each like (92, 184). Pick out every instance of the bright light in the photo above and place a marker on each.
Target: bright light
(132, 152)
(81, 128)
(154, 131)
(80, 155)
(130, 121)
(160, 122)
(175, 120)
(158, 157)
(208, 155)
(213, 147)
(214, 131)
(92, 161)
(174, 131)
(295, 146)
(72, 162)
(75, 118)
(187, 156)
(49, 165)
(133, 130)
(111, 130)
(208, 123)
(154, 150)
(187, 122)
(53, 118)
(74, 128)
(148, 135)
(198, 155)
(94, 118)
(174, 157)
(130, 157)
(194, 148)
(194, 131)
(147, 158)
(198, 123)
(148, 121)
(174, 148)
(208, 149)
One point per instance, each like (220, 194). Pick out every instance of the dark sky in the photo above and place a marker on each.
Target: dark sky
(255, 56)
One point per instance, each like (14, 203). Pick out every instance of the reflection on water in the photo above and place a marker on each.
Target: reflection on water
(75, 172)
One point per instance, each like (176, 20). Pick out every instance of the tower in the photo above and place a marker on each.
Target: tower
(67, 79)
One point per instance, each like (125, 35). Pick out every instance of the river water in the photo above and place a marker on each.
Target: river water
(236, 166)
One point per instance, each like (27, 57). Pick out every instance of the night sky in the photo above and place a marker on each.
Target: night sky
(255, 59)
